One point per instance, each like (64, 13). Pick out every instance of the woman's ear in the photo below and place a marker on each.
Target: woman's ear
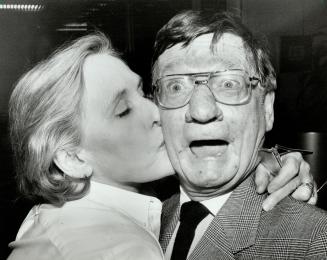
(72, 164)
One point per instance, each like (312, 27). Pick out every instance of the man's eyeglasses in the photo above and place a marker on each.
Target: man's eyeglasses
(229, 87)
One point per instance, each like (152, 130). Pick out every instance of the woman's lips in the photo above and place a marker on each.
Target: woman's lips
(208, 148)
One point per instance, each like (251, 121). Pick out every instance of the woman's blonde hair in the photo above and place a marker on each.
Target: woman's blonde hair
(44, 114)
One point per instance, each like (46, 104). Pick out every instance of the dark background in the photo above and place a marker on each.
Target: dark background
(296, 31)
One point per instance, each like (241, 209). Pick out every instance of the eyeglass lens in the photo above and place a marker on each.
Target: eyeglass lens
(227, 87)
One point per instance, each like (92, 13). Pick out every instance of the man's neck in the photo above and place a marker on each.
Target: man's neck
(201, 194)
(213, 204)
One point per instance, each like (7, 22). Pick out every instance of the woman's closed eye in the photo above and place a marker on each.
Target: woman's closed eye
(124, 113)
(122, 109)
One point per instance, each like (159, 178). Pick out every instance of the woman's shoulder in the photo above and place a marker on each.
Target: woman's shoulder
(87, 231)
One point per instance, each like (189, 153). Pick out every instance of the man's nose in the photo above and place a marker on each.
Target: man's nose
(203, 107)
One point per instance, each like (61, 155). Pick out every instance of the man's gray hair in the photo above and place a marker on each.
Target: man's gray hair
(186, 26)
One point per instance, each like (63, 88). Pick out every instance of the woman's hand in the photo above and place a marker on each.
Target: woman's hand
(293, 178)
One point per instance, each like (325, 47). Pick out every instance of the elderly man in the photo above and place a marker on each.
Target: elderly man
(214, 84)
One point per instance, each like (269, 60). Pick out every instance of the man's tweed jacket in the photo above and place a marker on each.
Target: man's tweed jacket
(242, 230)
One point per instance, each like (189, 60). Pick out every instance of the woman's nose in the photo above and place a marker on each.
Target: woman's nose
(155, 115)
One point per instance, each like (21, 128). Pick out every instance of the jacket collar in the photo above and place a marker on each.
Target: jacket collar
(235, 226)
(169, 219)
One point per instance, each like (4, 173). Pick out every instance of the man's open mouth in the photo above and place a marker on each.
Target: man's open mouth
(208, 148)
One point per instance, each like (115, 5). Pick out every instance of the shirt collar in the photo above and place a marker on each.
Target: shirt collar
(145, 210)
(213, 205)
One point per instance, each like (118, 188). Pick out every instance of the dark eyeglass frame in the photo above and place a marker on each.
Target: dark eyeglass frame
(205, 82)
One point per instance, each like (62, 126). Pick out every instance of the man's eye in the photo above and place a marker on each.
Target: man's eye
(229, 84)
(175, 88)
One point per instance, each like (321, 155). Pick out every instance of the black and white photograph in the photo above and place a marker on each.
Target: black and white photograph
(163, 129)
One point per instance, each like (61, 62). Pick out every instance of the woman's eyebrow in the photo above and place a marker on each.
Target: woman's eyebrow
(119, 95)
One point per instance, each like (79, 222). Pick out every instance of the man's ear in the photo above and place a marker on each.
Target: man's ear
(72, 164)
(269, 110)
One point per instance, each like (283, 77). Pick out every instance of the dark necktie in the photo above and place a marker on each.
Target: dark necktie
(192, 213)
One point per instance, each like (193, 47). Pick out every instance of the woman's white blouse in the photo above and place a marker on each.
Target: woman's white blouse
(108, 223)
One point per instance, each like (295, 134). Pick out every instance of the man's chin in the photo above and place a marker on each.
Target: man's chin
(206, 188)
(206, 171)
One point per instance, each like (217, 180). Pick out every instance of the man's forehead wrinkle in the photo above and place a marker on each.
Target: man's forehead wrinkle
(169, 62)
(233, 52)
(193, 56)
(228, 52)
(227, 63)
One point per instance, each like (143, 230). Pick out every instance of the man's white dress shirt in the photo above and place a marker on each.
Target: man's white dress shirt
(213, 205)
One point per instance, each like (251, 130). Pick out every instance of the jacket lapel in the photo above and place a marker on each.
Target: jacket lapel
(169, 220)
(213, 244)
(235, 226)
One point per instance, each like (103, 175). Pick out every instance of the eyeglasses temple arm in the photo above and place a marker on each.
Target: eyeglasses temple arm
(288, 150)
